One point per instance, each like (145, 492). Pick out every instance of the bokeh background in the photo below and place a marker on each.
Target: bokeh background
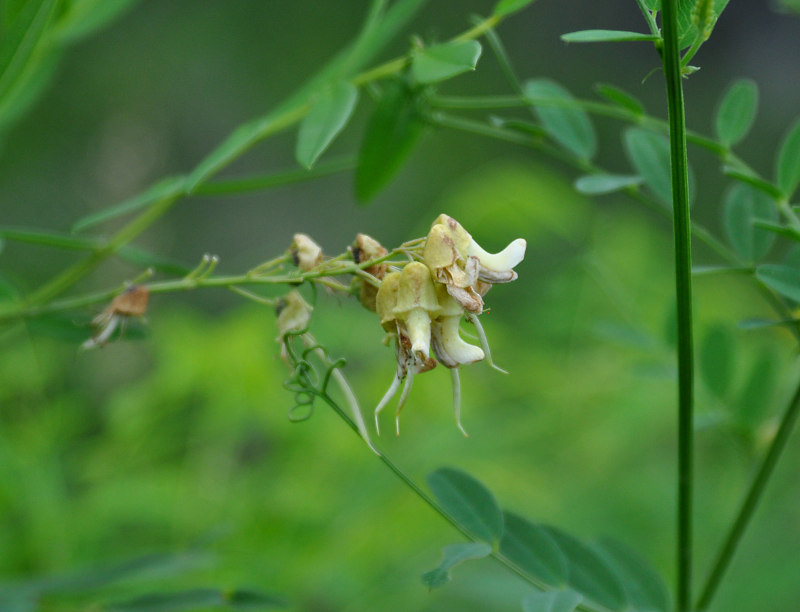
(180, 441)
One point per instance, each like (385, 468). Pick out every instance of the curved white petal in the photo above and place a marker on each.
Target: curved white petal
(459, 351)
(502, 261)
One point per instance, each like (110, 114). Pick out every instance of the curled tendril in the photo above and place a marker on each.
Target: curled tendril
(305, 380)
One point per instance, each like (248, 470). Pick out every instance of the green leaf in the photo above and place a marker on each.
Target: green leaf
(757, 391)
(621, 98)
(587, 573)
(567, 123)
(452, 556)
(736, 112)
(469, 502)
(687, 31)
(789, 162)
(585, 36)
(85, 17)
(170, 187)
(598, 184)
(529, 547)
(440, 62)
(783, 279)
(391, 133)
(327, 118)
(645, 588)
(648, 153)
(19, 44)
(653, 5)
(743, 204)
(558, 601)
(506, 7)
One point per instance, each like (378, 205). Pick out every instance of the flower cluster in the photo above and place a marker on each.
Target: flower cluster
(422, 304)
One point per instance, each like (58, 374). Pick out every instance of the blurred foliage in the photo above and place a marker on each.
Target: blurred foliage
(182, 441)
(171, 461)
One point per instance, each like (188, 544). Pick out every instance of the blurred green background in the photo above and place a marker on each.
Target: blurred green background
(180, 442)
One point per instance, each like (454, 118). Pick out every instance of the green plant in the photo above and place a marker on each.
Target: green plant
(568, 573)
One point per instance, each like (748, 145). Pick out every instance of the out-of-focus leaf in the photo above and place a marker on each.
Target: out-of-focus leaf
(648, 153)
(506, 7)
(758, 390)
(36, 76)
(168, 188)
(783, 279)
(444, 61)
(788, 175)
(584, 36)
(452, 556)
(328, 117)
(687, 31)
(736, 112)
(469, 502)
(529, 547)
(743, 204)
(391, 133)
(194, 599)
(598, 184)
(644, 587)
(20, 42)
(567, 124)
(621, 98)
(552, 601)
(587, 573)
(152, 567)
(85, 17)
(716, 360)
(653, 5)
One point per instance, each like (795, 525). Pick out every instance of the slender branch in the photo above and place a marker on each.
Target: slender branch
(683, 289)
(240, 141)
(750, 502)
(436, 507)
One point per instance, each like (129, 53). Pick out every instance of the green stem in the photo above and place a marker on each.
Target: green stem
(750, 503)
(683, 290)
(649, 17)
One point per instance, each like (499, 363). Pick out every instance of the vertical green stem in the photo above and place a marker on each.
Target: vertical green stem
(683, 289)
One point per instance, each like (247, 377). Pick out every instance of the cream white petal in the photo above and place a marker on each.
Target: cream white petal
(459, 351)
(502, 261)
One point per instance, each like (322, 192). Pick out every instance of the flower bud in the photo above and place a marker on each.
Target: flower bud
(306, 253)
(294, 313)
